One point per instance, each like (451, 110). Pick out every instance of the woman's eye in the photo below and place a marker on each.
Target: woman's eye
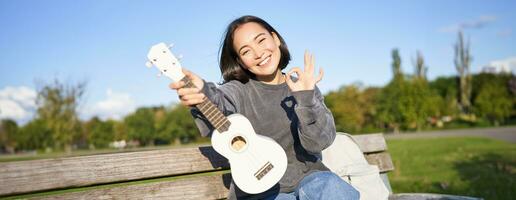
(261, 40)
(245, 52)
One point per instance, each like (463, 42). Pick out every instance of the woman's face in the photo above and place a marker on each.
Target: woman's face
(258, 49)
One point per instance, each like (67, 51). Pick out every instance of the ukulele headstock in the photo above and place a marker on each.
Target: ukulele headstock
(168, 64)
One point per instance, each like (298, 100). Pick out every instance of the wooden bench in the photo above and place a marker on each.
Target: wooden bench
(186, 173)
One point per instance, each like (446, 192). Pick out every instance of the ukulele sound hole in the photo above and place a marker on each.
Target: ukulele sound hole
(238, 143)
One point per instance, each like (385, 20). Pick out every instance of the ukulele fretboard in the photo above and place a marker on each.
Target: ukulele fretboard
(210, 111)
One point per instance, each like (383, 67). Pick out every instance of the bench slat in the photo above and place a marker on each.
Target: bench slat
(207, 187)
(371, 142)
(382, 160)
(37, 175)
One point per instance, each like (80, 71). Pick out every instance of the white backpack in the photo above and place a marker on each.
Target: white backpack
(345, 159)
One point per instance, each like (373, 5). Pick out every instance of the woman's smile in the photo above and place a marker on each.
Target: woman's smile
(265, 61)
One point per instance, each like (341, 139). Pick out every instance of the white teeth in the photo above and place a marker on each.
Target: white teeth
(264, 61)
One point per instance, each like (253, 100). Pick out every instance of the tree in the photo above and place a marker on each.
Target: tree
(120, 130)
(493, 102)
(462, 63)
(372, 123)
(183, 128)
(512, 85)
(396, 63)
(350, 107)
(175, 125)
(406, 102)
(163, 122)
(512, 88)
(426, 102)
(100, 133)
(8, 135)
(446, 88)
(57, 107)
(419, 64)
(492, 96)
(140, 125)
(36, 135)
(389, 104)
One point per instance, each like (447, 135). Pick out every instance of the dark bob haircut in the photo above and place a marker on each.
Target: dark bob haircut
(231, 66)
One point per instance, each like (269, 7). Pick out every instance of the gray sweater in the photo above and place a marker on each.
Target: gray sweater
(299, 121)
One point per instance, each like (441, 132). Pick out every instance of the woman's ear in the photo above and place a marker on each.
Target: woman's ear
(276, 39)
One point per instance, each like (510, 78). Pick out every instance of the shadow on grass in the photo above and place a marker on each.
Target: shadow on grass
(490, 176)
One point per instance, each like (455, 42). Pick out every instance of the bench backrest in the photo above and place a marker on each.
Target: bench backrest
(186, 173)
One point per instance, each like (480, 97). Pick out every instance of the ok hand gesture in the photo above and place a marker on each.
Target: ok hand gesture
(306, 78)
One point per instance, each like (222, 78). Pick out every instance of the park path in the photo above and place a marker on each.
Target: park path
(501, 133)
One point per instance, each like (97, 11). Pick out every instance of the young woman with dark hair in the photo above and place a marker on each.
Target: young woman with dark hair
(289, 110)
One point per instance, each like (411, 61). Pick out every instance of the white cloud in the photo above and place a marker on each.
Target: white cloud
(115, 106)
(503, 65)
(18, 103)
(12, 109)
(478, 23)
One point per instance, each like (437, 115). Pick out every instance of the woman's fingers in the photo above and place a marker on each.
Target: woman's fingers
(189, 96)
(196, 80)
(295, 70)
(192, 102)
(306, 58)
(321, 73)
(309, 62)
(192, 99)
(289, 81)
(312, 63)
(187, 91)
(187, 72)
(176, 85)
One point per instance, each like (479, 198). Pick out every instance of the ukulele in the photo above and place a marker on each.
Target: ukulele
(257, 162)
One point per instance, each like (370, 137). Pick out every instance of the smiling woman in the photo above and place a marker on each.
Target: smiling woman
(256, 41)
(291, 112)
(258, 52)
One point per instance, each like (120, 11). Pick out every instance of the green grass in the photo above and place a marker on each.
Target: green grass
(467, 166)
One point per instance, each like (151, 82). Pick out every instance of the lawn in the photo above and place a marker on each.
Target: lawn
(467, 166)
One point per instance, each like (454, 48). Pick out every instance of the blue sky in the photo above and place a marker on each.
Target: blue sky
(106, 42)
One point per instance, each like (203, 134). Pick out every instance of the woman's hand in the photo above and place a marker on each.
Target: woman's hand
(306, 78)
(189, 96)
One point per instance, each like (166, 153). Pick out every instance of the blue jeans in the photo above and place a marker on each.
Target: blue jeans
(318, 186)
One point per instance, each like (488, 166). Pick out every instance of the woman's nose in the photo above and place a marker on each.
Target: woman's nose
(259, 53)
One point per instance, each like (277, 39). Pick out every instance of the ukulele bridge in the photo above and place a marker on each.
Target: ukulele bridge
(263, 170)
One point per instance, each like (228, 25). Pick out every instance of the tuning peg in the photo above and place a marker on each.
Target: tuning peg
(180, 57)
(159, 74)
(170, 45)
(148, 64)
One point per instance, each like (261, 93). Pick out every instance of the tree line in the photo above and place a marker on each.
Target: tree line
(409, 102)
(56, 125)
